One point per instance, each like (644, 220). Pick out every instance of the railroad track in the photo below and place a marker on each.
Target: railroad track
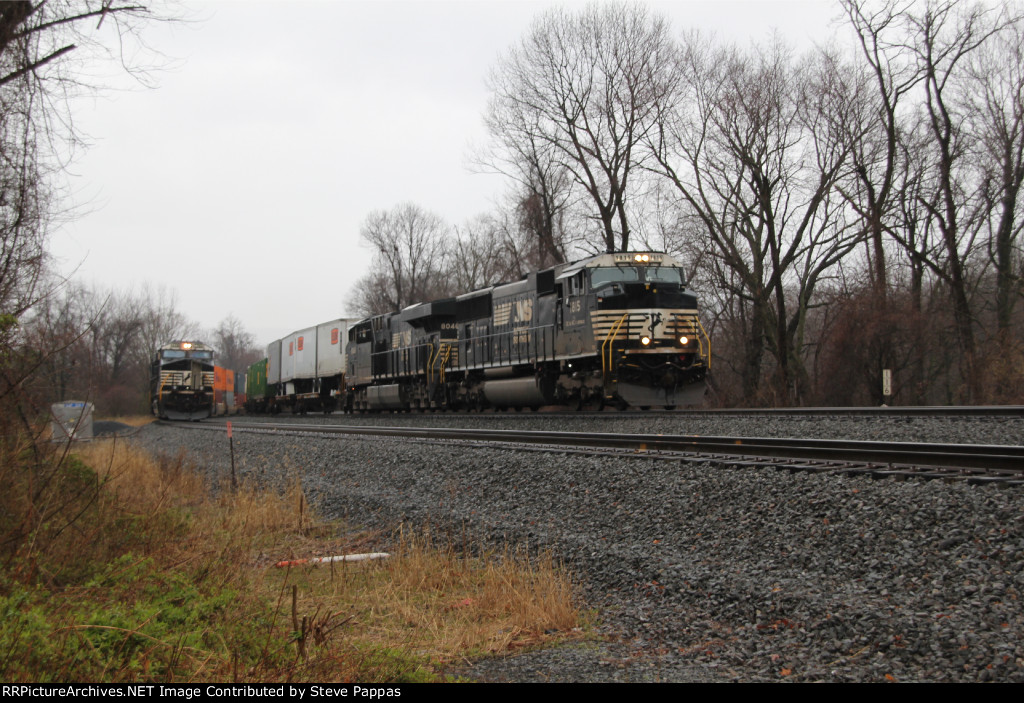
(952, 411)
(970, 462)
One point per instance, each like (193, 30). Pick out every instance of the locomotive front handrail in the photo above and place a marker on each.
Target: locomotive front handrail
(700, 345)
(609, 342)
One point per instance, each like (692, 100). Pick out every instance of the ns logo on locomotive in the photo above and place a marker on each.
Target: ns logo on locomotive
(614, 328)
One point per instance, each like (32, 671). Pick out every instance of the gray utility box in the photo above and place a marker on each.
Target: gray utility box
(72, 419)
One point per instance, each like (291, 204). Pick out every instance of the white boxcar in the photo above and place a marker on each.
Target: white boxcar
(274, 362)
(288, 357)
(331, 338)
(304, 353)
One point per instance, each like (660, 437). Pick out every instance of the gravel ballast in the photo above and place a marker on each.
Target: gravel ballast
(702, 572)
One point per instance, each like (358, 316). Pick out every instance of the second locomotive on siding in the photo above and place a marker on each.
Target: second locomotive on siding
(182, 381)
(614, 328)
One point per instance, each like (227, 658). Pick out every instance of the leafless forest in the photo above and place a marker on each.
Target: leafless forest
(843, 210)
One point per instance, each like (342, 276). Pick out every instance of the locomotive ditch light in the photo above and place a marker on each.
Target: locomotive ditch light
(684, 340)
(645, 340)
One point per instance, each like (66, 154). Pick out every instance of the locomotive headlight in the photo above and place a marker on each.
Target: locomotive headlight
(684, 340)
(645, 340)
(642, 257)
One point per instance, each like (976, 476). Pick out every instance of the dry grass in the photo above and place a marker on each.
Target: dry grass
(161, 579)
(432, 601)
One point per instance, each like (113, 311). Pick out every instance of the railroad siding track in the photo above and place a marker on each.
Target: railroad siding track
(973, 463)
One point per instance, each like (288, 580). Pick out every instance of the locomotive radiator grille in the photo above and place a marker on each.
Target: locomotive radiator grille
(664, 328)
(684, 324)
(170, 378)
(659, 325)
(173, 379)
(604, 321)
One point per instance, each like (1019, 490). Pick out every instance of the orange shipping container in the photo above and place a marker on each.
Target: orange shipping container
(220, 379)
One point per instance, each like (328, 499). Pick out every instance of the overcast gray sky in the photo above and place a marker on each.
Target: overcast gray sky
(240, 181)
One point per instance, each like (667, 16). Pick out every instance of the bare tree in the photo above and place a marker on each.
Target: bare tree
(35, 127)
(480, 255)
(581, 92)
(116, 329)
(940, 172)
(161, 321)
(36, 138)
(372, 294)
(994, 109)
(25, 192)
(236, 347)
(752, 145)
(543, 188)
(943, 38)
(875, 120)
(409, 247)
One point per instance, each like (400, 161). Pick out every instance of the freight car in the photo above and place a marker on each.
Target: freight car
(228, 391)
(303, 372)
(182, 381)
(614, 328)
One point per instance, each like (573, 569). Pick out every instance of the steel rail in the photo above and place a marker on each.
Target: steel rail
(945, 411)
(884, 411)
(1004, 458)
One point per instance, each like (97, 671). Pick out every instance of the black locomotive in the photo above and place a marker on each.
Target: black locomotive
(181, 381)
(614, 328)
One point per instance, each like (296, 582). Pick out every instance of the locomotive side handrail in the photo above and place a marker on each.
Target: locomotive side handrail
(494, 347)
(442, 361)
(434, 353)
(400, 359)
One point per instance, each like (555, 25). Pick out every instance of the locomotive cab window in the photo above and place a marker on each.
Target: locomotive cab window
(664, 274)
(576, 284)
(605, 275)
(360, 334)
